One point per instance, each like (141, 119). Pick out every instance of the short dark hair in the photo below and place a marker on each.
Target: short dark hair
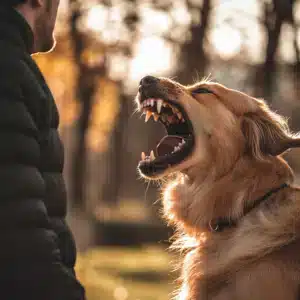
(11, 2)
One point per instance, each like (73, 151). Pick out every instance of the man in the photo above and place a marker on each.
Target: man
(37, 250)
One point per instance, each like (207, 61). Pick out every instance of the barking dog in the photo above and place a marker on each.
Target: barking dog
(232, 194)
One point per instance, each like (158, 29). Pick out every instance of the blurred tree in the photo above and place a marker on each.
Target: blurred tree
(188, 34)
(193, 60)
(275, 14)
(88, 72)
(94, 53)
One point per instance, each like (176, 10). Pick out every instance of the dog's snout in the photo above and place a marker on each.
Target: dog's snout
(148, 80)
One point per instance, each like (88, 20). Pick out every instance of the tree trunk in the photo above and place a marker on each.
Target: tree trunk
(84, 92)
(116, 154)
(193, 57)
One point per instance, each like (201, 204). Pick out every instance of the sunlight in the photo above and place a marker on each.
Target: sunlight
(97, 18)
(154, 21)
(153, 56)
(227, 41)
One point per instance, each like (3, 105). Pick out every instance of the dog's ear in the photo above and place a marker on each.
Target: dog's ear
(267, 133)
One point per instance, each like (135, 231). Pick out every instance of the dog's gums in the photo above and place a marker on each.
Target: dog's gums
(176, 145)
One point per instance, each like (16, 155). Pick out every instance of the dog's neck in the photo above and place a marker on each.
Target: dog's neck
(209, 196)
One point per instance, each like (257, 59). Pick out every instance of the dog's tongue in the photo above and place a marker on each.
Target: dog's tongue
(167, 144)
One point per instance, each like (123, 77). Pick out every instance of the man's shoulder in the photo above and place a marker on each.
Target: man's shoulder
(14, 68)
(10, 62)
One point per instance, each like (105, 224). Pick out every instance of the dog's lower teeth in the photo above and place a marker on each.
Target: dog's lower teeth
(152, 156)
(148, 116)
(170, 119)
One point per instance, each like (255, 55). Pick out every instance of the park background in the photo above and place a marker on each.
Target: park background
(103, 50)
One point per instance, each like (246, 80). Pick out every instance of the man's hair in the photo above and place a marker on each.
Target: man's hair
(11, 2)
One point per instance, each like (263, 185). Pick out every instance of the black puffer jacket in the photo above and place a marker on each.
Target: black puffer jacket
(37, 251)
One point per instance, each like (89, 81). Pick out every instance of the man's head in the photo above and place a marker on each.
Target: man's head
(41, 16)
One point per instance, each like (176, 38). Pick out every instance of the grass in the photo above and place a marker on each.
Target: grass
(127, 274)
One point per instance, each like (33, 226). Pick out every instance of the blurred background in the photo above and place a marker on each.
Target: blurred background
(104, 48)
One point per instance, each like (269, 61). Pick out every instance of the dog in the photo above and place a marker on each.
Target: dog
(229, 192)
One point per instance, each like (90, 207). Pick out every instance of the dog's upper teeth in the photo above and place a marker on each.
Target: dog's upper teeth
(148, 116)
(179, 115)
(152, 102)
(159, 104)
(152, 156)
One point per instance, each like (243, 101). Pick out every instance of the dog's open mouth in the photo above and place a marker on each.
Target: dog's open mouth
(176, 146)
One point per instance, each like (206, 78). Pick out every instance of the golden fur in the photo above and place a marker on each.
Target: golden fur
(236, 161)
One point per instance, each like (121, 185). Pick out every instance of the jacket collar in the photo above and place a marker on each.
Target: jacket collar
(15, 30)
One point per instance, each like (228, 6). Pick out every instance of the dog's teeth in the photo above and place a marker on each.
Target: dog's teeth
(155, 116)
(143, 156)
(179, 115)
(183, 142)
(152, 156)
(173, 109)
(152, 102)
(148, 116)
(159, 104)
(165, 104)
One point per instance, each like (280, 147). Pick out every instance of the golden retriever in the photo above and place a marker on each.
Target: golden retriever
(232, 197)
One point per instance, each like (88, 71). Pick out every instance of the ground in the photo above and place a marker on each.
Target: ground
(120, 273)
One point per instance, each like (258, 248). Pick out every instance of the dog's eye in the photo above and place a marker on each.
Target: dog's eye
(202, 91)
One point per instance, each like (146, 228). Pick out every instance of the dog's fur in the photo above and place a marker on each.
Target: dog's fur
(236, 161)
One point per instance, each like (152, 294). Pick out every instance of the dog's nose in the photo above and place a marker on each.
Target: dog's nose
(148, 80)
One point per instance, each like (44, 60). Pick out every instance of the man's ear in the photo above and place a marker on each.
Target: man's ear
(267, 133)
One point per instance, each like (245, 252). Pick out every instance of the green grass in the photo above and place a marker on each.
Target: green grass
(127, 274)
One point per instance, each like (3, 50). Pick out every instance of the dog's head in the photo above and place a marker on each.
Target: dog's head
(207, 124)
